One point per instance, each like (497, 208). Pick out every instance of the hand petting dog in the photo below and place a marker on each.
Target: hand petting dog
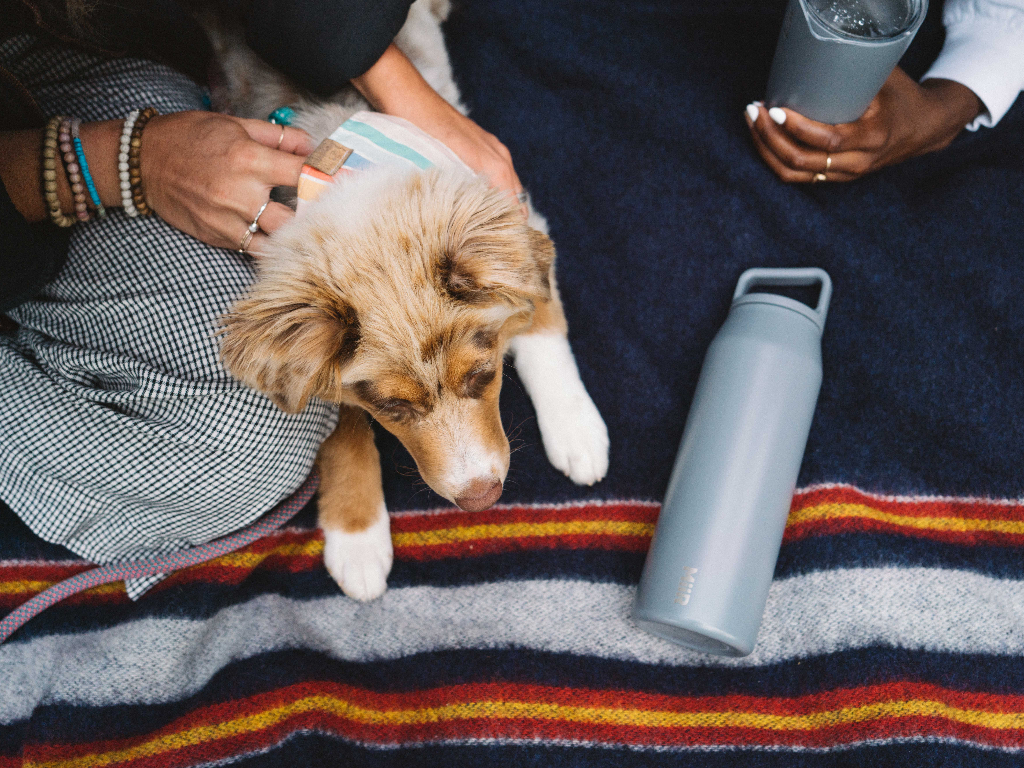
(208, 174)
(395, 87)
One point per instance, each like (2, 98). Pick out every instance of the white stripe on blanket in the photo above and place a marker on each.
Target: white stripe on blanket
(162, 660)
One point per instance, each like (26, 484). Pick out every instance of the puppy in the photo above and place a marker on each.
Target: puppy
(399, 294)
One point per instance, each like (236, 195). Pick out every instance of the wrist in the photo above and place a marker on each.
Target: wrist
(954, 106)
(100, 142)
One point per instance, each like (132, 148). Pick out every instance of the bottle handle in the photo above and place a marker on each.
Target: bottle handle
(788, 276)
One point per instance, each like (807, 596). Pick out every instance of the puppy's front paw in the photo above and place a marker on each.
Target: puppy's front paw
(576, 439)
(360, 562)
(574, 434)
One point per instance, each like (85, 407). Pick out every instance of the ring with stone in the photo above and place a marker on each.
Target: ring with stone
(254, 227)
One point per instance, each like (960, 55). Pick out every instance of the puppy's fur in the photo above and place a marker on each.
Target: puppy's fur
(400, 295)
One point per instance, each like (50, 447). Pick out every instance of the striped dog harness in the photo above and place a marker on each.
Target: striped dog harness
(367, 140)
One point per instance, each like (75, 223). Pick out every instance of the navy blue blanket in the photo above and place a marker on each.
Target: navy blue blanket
(894, 633)
(625, 121)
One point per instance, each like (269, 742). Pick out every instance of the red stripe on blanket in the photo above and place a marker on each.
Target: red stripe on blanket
(551, 714)
(618, 526)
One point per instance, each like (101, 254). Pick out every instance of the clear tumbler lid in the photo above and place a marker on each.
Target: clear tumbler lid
(867, 19)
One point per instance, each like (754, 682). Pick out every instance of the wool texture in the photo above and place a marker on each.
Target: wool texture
(894, 630)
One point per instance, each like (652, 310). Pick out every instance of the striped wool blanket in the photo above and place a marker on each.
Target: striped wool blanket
(505, 633)
(894, 631)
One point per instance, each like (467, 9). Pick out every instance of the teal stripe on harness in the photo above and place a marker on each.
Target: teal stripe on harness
(388, 145)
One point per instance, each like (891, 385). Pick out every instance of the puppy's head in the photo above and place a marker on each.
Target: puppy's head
(399, 294)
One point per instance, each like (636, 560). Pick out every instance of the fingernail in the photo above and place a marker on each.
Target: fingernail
(753, 112)
(758, 103)
(778, 115)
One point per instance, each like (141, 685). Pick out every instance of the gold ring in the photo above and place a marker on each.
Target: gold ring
(281, 139)
(828, 163)
(246, 238)
(819, 177)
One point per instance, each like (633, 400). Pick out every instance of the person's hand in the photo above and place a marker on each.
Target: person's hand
(904, 120)
(394, 86)
(480, 150)
(209, 174)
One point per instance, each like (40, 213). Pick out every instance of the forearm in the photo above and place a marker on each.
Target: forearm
(21, 162)
(394, 86)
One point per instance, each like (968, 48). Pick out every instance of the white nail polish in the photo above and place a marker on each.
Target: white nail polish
(777, 115)
(752, 112)
(758, 103)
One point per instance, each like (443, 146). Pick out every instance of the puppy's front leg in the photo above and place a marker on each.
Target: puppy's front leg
(357, 531)
(574, 434)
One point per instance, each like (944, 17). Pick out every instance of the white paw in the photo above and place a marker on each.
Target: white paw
(576, 439)
(574, 434)
(360, 562)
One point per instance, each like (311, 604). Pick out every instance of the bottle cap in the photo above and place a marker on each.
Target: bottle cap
(797, 276)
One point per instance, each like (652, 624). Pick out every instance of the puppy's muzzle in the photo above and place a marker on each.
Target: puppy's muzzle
(479, 494)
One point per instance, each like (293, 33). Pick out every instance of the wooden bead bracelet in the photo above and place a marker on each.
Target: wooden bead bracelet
(73, 170)
(134, 171)
(50, 136)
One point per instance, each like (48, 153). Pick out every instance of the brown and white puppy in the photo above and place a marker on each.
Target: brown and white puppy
(399, 295)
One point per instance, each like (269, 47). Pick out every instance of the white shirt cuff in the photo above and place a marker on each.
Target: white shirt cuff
(987, 55)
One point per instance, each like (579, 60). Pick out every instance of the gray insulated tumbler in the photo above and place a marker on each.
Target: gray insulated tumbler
(705, 582)
(833, 56)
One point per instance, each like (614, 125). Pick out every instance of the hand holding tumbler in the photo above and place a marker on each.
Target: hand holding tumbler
(706, 578)
(833, 56)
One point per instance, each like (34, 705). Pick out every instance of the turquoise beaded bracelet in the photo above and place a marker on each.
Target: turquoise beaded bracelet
(101, 212)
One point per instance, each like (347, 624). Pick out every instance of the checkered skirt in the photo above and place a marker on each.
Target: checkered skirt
(121, 435)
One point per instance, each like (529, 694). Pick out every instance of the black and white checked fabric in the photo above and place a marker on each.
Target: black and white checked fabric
(121, 436)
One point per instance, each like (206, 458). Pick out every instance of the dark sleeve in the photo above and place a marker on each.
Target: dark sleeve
(322, 44)
(31, 255)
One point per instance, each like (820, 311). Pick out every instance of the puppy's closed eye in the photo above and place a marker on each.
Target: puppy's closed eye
(399, 410)
(476, 382)
(381, 404)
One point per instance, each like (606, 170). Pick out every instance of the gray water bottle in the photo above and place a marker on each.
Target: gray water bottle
(833, 56)
(706, 578)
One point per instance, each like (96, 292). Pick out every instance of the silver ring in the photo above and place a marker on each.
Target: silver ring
(522, 197)
(280, 139)
(255, 226)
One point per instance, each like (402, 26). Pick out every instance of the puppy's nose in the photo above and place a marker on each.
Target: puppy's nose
(479, 494)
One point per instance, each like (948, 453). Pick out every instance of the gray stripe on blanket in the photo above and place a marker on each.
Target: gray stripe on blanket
(161, 660)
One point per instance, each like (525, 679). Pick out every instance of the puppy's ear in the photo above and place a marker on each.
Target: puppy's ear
(510, 269)
(289, 349)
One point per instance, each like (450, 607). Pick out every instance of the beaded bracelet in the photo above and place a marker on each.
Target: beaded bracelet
(122, 164)
(134, 171)
(72, 169)
(50, 174)
(90, 185)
